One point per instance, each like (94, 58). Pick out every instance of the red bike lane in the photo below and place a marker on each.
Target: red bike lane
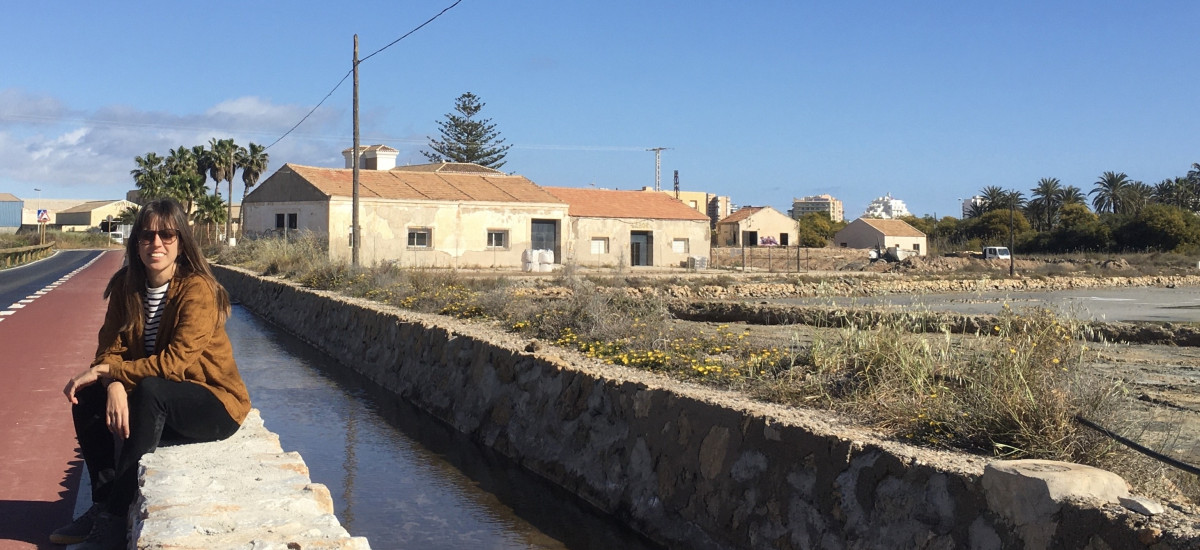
(41, 346)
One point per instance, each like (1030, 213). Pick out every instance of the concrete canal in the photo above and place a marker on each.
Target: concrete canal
(398, 477)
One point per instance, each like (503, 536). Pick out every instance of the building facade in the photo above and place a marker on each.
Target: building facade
(886, 208)
(757, 226)
(818, 203)
(433, 215)
(609, 228)
(878, 234)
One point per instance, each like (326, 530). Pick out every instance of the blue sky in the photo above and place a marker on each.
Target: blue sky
(760, 101)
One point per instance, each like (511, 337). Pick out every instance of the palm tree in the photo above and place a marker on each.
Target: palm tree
(203, 161)
(1108, 191)
(221, 154)
(993, 197)
(183, 180)
(1046, 199)
(253, 163)
(128, 215)
(1134, 197)
(210, 212)
(149, 176)
(1071, 195)
(187, 188)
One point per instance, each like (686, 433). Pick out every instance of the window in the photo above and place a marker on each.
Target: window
(419, 238)
(679, 246)
(783, 239)
(497, 238)
(599, 245)
(917, 247)
(290, 219)
(692, 204)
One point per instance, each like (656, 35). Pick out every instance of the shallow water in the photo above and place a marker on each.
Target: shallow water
(397, 476)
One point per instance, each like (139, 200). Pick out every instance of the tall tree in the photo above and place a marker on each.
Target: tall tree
(183, 182)
(149, 176)
(1072, 195)
(222, 154)
(466, 138)
(1107, 191)
(1047, 196)
(253, 162)
(992, 197)
(210, 212)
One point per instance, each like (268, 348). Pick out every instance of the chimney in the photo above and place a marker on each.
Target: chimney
(372, 157)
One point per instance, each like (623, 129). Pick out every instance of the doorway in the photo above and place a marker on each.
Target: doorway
(641, 248)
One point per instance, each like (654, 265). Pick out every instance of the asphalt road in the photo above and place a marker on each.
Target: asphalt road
(1179, 305)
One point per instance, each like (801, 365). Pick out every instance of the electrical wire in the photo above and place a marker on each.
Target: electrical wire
(351, 71)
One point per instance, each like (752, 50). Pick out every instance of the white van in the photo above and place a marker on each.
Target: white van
(996, 253)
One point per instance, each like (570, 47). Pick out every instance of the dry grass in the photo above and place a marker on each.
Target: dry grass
(1011, 392)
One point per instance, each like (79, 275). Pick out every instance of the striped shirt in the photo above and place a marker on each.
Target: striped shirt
(152, 304)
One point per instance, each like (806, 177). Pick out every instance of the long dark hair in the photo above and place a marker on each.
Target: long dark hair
(128, 284)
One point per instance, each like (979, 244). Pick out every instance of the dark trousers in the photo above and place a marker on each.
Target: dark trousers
(158, 409)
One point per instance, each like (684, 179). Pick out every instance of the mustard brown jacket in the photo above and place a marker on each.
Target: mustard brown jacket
(191, 346)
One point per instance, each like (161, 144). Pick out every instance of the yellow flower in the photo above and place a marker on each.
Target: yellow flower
(996, 328)
(1012, 350)
(1055, 360)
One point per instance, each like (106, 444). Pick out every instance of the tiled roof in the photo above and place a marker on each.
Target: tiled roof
(449, 167)
(8, 197)
(893, 228)
(412, 185)
(741, 214)
(606, 203)
(365, 148)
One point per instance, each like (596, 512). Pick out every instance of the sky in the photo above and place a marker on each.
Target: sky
(762, 101)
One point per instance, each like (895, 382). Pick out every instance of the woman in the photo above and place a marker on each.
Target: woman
(164, 367)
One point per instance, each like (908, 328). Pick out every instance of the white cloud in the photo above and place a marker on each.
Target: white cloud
(76, 154)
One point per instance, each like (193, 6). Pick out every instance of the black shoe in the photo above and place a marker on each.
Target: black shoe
(108, 533)
(77, 531)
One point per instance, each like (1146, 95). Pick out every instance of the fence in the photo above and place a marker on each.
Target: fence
(17, 256)
(784, 259)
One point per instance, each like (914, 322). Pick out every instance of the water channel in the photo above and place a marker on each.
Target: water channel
(399, 477)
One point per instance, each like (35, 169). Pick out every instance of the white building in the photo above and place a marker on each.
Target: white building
(969, 205)
(886, 208)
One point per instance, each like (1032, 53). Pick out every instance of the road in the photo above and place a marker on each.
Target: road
(49, 314)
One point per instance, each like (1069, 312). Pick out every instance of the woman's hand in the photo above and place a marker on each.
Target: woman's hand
(83, 380)
(117, 410)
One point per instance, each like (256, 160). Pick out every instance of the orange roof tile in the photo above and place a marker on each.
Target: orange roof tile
(417, 185)
(606, 203)
(741, 214)
(893, 228)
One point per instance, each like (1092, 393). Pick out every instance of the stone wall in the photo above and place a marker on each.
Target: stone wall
(686, 465)
(242, 492)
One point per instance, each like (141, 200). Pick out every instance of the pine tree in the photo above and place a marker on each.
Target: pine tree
(466, 139)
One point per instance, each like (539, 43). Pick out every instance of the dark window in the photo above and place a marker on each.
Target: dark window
(497, 238)
(292, 220)
(783, 239)
(279, 221)
(419, 238)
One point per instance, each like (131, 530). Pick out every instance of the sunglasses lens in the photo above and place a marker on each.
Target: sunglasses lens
(167, 236)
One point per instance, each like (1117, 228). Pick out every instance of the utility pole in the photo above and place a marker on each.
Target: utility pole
(355, 239)
(677, 184)
(658, 166)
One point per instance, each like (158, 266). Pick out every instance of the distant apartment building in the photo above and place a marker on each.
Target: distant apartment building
(972, 205)
(886, 208)
(818, 203)
(716, 207)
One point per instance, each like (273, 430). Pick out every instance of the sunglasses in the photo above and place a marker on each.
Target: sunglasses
(167, 236)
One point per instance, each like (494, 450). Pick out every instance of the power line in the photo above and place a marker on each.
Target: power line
(351, 71)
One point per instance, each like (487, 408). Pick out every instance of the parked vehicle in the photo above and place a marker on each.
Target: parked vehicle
(996, 253)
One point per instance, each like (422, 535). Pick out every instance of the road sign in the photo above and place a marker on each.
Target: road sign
(43, 215)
